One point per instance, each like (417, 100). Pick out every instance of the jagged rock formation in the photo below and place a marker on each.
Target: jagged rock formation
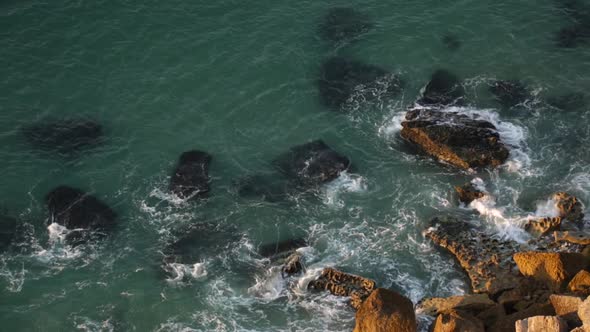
(344, 284)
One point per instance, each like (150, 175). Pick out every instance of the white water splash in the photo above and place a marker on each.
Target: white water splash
(183, 272)
(345, 183)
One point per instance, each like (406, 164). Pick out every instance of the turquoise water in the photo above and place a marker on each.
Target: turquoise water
(238, 80)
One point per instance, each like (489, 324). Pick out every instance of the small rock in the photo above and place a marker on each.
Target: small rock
(470, 303)
(580, 283)
(385, 311)
(566, 307)
(543, 226)
(454, 321)
(582, 238)
(541, 324)
(569, 207)
(551, 268)
(468, 193)
(343, 284)
(293, 265)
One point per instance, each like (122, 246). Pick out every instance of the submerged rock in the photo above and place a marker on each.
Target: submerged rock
(8, 229)
(191, 175)
(343, 24)
(468, 192)
(341, 79)
(64, 136)
(343, 284)
(384, 311)
(80, 212)
(573, 36)
(282, 248)
(455, 138)
(444, 89)
(552, 269)
(198, 242)
(486, 260)
(312, 164)
(452, 42)
(271, 188)
(509, 93)
(568, 101)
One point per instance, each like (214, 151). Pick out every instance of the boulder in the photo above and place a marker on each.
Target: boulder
(551, 268)
(569, 206)
(509, 93)
(312, 164)
(77, 210)
(191, 175)
(543, 226)
(582, 238)
(472, 303)
(487, 260)
(584, 313)
(342, 24)
(468, 192)
(455, 138)
(343, 284)
(65, 136)
(443, 89)
(384, 311)
(541, 324)
(344, 81)
(293, 265)
(457, 321)
(566, 307)
(580, 284)
(507, 323)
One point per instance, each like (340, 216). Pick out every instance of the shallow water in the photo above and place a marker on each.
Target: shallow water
(239, 81)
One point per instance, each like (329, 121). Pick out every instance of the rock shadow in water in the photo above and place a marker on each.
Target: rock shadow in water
(443, 89)
(191, 175)
(66, 136)
(343, 24)
(510, 93)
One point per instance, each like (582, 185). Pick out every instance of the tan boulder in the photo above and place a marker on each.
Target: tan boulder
(543, 226)
(582, 238)
(541, 324)
(584, 313)
(507, 323)
(566, 307)
(580, 284)
(457, 321)
(385, 311)
(470, 303)
(551, 268)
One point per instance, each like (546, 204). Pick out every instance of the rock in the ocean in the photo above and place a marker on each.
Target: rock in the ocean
(455, 321)
(199, 240)
(191, 175)
(486, 260)
(568, 102)
(455, 138)
(553, 269)
(385, 311)
(569, 207)
(75, 209)
(573, 36)
(566, 307)
(451, 41)
(344, 284)
(270, 188)
(8, 229)
(281, 249)
(541, 324)
(543, 226)
(472, 303)
(509, 93)
(341, 79)
(312, 164)
(342, 24)
(64, 136)
(293, 265)
(444, 89)
(468, 192)
(580, 284)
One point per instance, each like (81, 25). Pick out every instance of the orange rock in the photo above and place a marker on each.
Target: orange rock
(551, 268)
(385, 311)
(455, 321)
(541, 324)
(580, 283)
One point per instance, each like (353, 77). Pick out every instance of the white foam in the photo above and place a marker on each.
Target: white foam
(15, 279)
(183, 272)
(479, 184)
(270, 286)
(547, 208)
(506, 227)
(392, 125)
(345, 183)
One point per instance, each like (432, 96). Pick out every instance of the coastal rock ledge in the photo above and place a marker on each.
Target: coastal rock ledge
(455, 138)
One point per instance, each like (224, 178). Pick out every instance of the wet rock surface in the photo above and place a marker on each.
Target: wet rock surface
(510, 93)
(190, 178)
(455, 138)
(487, 260)
(468, 192)
(385, 310)
(312, 164)
(443, 89)
(343, 284)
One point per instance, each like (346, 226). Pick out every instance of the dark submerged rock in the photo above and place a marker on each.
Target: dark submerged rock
(572, 36)
(568, 102)
(191, 176)
(509, 93)
(64, 136)
(283, 248)
(340, 78)
(451, 42)
(79, 211)
(198, 241)
(312, 163)
(443, 89)
(8, 229)
(455, 138)
(271, 188)
(342, 24)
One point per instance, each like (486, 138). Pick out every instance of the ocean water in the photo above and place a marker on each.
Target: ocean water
(239, 80)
